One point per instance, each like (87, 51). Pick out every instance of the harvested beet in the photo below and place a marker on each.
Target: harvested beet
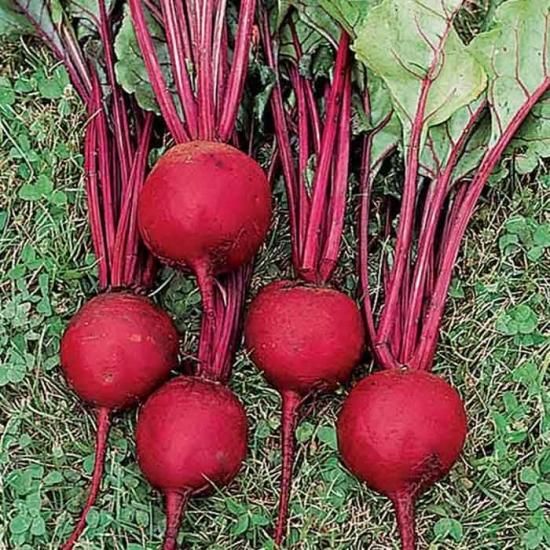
(191, 435)
(400, 431)
(205, 206)
(116, 350)
(304, 338)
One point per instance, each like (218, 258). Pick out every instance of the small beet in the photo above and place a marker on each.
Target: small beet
(115, 351)
(303, 338)
(400, 431)
(191, 435)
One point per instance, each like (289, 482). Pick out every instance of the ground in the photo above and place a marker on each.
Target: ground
(491, 350)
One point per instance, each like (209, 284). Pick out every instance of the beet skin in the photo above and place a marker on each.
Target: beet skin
(304, 337)
(205, 204)
(191, 434)
(117, 349)
(400, 431)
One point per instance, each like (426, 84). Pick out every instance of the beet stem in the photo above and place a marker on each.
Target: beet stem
(156, 76)
(175, 502)
(406, 215)
(311, 249)
(103, 425)
(404, 509)
(304, 203)
(205, 281)
(238, 71)
(425, 351)
(339, 189)
(428, 235)
(282, 134)
(291, 403)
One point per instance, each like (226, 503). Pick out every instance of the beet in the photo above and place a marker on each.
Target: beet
(205, 205)
(303, 338)
(191, 435)
(400, 431)
(115, 351)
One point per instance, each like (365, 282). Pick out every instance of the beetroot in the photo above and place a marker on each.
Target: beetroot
(400, 431)
(205, 206)
(191, 435)
(303, 338)
(115, 351)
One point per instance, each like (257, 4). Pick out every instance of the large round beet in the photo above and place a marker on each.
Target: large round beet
(117, 349)
(205, 203)
(400, 431)
(304, 337)
(191, 434)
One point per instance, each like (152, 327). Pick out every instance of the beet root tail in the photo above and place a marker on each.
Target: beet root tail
(291, 403)
(175, 502)
(404, 509)
(103, 426)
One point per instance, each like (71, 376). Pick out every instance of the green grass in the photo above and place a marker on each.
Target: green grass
(492, 350)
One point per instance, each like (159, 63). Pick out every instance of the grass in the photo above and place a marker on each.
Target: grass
(492, 350)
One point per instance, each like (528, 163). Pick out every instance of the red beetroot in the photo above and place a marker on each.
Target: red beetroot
(304, 338)
(205, 206)
(116, 350)
(191, 434)
(400, 431)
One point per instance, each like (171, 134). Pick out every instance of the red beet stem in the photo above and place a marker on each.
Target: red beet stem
(291, 403)
(92, 198)
(119, 107)
(103, 425)
(283, 139)
(205, 82)
(176, 35)
(315, 119)
(175, 502)
(303, 153)
(311, 251)
(425, 351)
(205, 281)
(158, 82)
(428, 235)
(337, 210)
(237, 74)
(404, 509)
(406, 216)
